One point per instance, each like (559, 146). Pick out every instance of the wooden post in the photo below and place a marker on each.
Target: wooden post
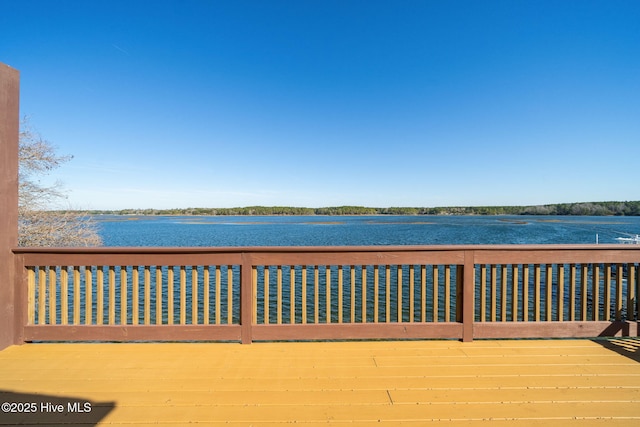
(10, 326)
(246, 299)
(468, 291)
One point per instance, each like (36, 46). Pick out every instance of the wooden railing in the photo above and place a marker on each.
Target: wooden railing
(305, 293)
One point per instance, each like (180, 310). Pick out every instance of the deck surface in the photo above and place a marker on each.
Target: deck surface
(406, 383)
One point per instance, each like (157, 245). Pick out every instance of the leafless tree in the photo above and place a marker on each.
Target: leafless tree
(40, 224)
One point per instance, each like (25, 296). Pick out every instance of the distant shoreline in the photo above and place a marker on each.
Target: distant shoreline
(626, 208)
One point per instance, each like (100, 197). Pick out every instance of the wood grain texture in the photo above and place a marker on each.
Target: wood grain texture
(390, 383)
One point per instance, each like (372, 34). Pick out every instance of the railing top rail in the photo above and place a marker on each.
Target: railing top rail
(319, 249)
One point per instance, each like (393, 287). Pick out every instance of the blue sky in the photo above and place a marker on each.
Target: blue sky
(322, 103)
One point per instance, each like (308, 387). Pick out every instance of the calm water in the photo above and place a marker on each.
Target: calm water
(359, 230)
(352, 230)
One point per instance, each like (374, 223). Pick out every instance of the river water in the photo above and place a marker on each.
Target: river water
(360, 230)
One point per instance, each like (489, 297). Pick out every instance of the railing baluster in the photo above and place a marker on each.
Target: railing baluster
(266, 301)
(447, 293)
(135, 295)
(230, 306)
(514, 292)
(88, 283)
(31, 295)
(147, 295)
(637, 288)
(303, 291)
(254, 292)
(595, 286)
(572, 293)
(316, 295)
(423, 293)
(112, 295)
(549, 296)
(328, 293)
(412, 293)
(607, 292)
(536, 291)
(619, 278)
(194, 295)
(123, 295)
(51, 283)
(100, 296)
(503, 292)
(494, 286)
(340, 293)
(292, 294)
(399, 274)
(217, 271)
(279, 302)
(376, 294)
(183, 295)
(560, 292)
(42, 293)
(353, 294)
(170, 302)
(62, 284)
(584, 280)
(387, 308)
(631, 291)
(483, 293)
(159, 295)
(525, 292)
(206, 294)
(436, 308)
(363, 294)
(458, 310)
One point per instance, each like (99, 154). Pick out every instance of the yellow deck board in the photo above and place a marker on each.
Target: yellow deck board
(482, 384)
(373, 413)
(406, 383)
(587, 422)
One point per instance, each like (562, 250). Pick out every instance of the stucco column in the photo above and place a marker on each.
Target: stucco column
(9, 134)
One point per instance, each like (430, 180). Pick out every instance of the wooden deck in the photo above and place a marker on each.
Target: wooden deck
(391, 383)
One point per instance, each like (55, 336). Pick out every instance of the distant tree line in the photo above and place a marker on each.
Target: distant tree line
(590, 208)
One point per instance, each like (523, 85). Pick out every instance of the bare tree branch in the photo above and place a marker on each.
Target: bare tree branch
(38, 225)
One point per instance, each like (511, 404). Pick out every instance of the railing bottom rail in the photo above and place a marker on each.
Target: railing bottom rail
(310, 332)
(118, 333)
(575, 329)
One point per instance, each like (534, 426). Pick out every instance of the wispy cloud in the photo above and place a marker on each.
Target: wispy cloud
(137, 197)
(120, 49)
(165, 193)
(96, 167)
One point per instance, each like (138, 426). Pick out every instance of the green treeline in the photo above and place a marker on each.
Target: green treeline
(589, 208)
